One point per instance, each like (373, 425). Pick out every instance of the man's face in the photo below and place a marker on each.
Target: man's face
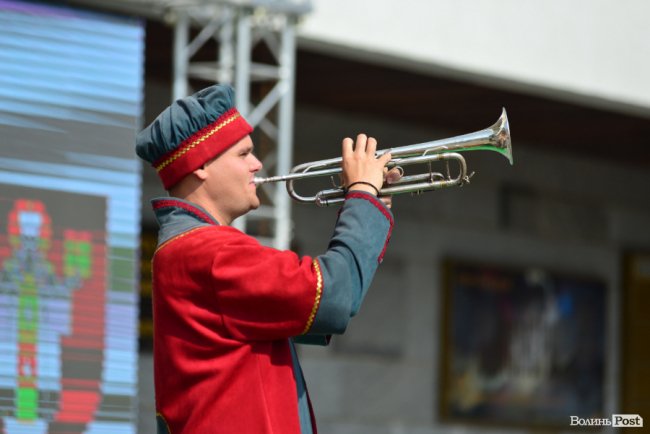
(230, 180)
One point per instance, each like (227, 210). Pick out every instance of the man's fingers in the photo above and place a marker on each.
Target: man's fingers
(360, 145)
(346, 147)
(360, 163)
(371, 146)
(385, 158)
(393, 175)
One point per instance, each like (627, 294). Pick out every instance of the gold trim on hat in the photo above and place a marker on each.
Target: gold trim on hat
(179, 153)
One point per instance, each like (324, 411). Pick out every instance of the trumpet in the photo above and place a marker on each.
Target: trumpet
(494, 138)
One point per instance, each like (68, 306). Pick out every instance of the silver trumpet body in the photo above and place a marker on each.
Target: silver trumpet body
(494, 138)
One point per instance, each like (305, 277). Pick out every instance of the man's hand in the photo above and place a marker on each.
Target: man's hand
(390, 176)
(360, 165)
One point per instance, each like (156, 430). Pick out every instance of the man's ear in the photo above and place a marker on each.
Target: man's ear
(201, 173)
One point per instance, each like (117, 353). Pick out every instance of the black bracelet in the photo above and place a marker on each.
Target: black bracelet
(364, 183)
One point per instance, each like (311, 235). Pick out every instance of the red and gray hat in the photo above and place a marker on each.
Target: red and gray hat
(191, 131)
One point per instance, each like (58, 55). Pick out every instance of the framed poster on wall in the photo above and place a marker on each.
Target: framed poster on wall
(521, 347)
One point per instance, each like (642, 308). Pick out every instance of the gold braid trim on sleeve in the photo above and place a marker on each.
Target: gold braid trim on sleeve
(319, 291)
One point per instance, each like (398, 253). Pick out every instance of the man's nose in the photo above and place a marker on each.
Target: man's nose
(257, 166)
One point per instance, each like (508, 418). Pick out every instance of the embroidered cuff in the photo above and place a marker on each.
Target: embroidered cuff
(319, 291)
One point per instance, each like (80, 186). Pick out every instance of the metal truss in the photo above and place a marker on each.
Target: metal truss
(239, 27)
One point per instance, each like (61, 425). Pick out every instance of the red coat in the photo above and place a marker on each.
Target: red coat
(224, 308)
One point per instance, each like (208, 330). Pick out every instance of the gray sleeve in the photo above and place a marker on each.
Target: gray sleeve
(357, 247)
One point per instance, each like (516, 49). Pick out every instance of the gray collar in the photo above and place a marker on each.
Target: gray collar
(176, 216)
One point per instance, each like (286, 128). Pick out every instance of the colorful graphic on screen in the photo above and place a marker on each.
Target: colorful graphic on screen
(70, 100)
(53, 271)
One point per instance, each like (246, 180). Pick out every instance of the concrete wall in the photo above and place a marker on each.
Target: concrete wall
(590, 50)
(382, 376)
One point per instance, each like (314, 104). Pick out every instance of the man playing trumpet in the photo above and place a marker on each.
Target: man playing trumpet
(228, 310)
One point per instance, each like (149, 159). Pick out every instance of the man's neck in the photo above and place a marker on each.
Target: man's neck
(210, 207)
(198, 196)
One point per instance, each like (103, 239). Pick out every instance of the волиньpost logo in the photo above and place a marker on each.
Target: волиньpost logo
(616, 421)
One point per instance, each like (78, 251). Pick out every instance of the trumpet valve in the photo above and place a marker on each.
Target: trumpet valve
(467, 178)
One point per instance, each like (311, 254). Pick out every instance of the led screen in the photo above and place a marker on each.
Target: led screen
(70, 101)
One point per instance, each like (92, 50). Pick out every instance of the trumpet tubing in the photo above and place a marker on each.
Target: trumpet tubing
(494, 138)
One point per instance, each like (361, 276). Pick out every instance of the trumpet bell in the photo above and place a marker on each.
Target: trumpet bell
(494, 138)
(501, 141)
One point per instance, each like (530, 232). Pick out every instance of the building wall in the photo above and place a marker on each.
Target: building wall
(593, 50)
